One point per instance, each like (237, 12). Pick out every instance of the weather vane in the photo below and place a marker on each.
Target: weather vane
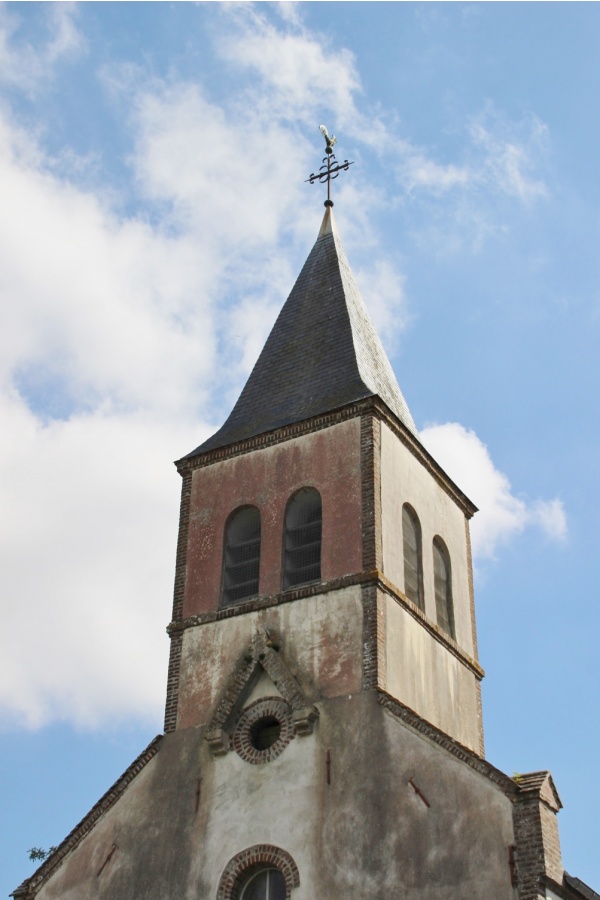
(331, 168)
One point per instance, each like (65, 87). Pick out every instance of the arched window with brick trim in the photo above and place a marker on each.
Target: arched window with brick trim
(302, 538)
(413, 556)
(265, 884)
(442, 580)
(262, 872)
(241, 555)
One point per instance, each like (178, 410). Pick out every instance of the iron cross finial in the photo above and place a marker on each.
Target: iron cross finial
(331, 168)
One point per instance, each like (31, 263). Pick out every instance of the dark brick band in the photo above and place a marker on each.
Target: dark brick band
(373, 578)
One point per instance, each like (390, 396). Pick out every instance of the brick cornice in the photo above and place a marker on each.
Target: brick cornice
(371, 405)
(270, 438)
(374, 578)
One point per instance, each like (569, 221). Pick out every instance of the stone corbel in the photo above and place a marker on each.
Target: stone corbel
(304, 720)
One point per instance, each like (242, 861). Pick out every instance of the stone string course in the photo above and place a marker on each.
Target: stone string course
(373, 578)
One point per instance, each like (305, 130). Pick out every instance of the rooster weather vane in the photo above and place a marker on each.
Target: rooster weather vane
(331, 168)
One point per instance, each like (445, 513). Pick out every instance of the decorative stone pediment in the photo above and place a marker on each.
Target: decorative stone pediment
(261, 656)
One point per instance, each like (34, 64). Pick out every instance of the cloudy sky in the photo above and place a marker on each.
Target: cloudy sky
(153, 218)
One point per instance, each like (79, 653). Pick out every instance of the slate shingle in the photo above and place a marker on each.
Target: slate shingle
(322, 353)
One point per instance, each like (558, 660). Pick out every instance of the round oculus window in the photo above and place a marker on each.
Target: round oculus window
(263, 730)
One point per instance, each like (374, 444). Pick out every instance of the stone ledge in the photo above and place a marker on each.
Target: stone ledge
(373, 578)
(440, 636)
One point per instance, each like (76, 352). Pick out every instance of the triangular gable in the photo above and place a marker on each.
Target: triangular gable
(261, 656)
(540, 783)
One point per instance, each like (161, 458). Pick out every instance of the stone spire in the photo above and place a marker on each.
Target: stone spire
(323, 353)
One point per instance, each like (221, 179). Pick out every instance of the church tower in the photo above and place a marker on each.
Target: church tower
(323, 731)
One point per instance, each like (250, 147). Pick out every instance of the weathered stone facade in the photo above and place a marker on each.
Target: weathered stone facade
(371, 782)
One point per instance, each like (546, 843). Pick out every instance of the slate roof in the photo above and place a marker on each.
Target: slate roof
(323, 353)
(583, 889)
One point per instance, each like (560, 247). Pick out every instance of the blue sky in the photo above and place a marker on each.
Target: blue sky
(154, 217)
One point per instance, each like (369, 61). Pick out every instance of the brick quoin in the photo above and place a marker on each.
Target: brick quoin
(178, 595)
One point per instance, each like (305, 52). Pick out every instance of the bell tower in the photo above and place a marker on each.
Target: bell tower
(323, 733)
(320, 456)
(323, 588)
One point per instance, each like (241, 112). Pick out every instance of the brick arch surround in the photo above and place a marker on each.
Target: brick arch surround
(231, 881)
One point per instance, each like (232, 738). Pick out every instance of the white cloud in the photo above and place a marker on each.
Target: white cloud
(28, 66)
(210, 168)
(295, 65)
(499, 157)
(510, 157)
(550, 516)
(501, 514)
(87, 542)
(114, 319)
(111, 328)
(418, 172)
(104, 303)
(120, 339)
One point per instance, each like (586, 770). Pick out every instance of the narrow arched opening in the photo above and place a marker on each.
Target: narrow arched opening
(302, 538)
(241, 555)
(442, 579)
(413, 556)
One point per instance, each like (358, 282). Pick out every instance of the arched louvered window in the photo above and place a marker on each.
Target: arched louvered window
(413, 556)
(442, 579)
(302, 541)
(241, 557)
(266, 884)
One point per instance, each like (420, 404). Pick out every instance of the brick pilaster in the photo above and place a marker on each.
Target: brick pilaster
(370, 453)
(178, 597)
(537, 843)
